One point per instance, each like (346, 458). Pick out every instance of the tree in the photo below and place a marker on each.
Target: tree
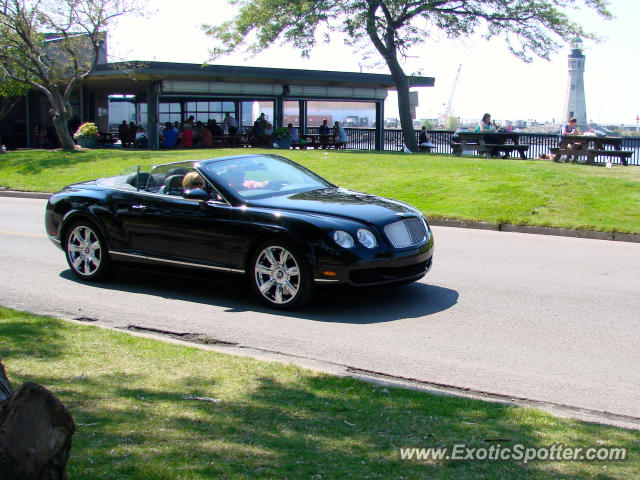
(10, 93)
(392, 27)
(426, 122)
(52, 45)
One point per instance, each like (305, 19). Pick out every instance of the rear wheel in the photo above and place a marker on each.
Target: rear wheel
(86, 252)
(280, 276)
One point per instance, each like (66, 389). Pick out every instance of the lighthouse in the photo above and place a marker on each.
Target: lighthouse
(575, 104)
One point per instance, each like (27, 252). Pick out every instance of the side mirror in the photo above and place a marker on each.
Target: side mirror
(196, 194)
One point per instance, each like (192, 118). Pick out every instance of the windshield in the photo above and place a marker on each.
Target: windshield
(264, 176)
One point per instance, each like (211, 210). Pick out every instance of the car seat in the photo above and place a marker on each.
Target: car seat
(141, 178)
(173, 185)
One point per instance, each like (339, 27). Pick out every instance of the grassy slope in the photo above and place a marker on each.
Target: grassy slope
(271, 421)
(499, 191)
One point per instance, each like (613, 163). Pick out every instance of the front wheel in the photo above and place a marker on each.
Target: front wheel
(86, 252)
(280, 276)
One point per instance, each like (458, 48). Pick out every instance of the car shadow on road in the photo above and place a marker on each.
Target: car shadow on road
(330, 304)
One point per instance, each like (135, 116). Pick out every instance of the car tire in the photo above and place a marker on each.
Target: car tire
(280, 276)
(86, 251)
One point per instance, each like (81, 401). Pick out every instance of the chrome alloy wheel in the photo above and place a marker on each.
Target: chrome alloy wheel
(84, 250)
(277, 275)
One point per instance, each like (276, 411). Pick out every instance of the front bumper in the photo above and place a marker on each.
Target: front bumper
(403, 266)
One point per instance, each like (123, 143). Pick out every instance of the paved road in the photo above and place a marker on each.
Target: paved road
(546, 318)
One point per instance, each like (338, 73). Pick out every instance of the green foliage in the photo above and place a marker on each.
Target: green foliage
(282, 132)
(499, 191)
(425, 122)
(530, 27)
(10, 93)
(452, 123)
(12, 89)
(86, 130)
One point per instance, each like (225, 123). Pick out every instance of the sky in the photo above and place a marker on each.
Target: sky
(491, 79)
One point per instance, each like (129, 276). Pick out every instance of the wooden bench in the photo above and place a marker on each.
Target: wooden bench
(505, 148)
(591, 154)
(337, 145)
(621, 154)
(488, 149)
(301, 145)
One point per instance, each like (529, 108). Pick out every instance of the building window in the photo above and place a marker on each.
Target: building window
(169, 112)
(204, 111)
(291, 113)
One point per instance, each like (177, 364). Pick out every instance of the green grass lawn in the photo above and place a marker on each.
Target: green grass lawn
(497, 191)
(130, 398)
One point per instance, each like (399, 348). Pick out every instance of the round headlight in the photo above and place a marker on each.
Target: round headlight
(366, 238)
(343, 239)
(427, 230)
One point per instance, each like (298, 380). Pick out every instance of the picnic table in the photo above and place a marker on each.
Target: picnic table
(229, 140)
(107, 139)
(489, 144)
(590, 146)
(317, 140)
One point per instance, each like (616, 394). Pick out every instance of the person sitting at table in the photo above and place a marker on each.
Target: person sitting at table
(324, 132)
(424, 142)
(340, 134)
(141, 141)
(486, 126)
(186, 136)
(293, 131)
(257, 132)
(169, 136)
(206, 138)
(215, 128)
(570, 128)
(268, 133)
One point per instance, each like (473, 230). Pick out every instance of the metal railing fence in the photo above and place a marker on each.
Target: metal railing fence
(540, 143)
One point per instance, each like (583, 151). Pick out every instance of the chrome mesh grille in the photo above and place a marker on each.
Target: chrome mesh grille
(406, 233)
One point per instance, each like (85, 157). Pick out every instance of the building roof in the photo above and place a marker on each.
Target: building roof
(124, 72)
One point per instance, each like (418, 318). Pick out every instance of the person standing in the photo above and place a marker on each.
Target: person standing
(231, 124)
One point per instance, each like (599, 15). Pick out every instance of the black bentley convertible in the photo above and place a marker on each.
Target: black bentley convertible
(262, 216)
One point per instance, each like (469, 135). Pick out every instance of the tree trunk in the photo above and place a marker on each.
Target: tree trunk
(35, 433)
(387, 48)
(66, 140)
(404, 111)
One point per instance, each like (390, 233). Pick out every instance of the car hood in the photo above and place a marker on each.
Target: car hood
(339, 202)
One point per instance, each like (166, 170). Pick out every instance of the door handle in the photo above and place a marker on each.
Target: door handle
(139, 207)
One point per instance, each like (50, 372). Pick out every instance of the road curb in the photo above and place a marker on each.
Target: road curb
(452, 222)
(537, 230)
(21, 194)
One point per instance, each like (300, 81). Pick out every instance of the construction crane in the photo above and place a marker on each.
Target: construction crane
(447, 112)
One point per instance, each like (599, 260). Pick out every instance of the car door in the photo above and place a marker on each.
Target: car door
(171, 228)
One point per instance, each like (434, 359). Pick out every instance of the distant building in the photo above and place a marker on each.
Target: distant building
(575, 104)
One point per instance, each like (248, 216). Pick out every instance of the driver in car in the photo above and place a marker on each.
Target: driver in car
(192, 180)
